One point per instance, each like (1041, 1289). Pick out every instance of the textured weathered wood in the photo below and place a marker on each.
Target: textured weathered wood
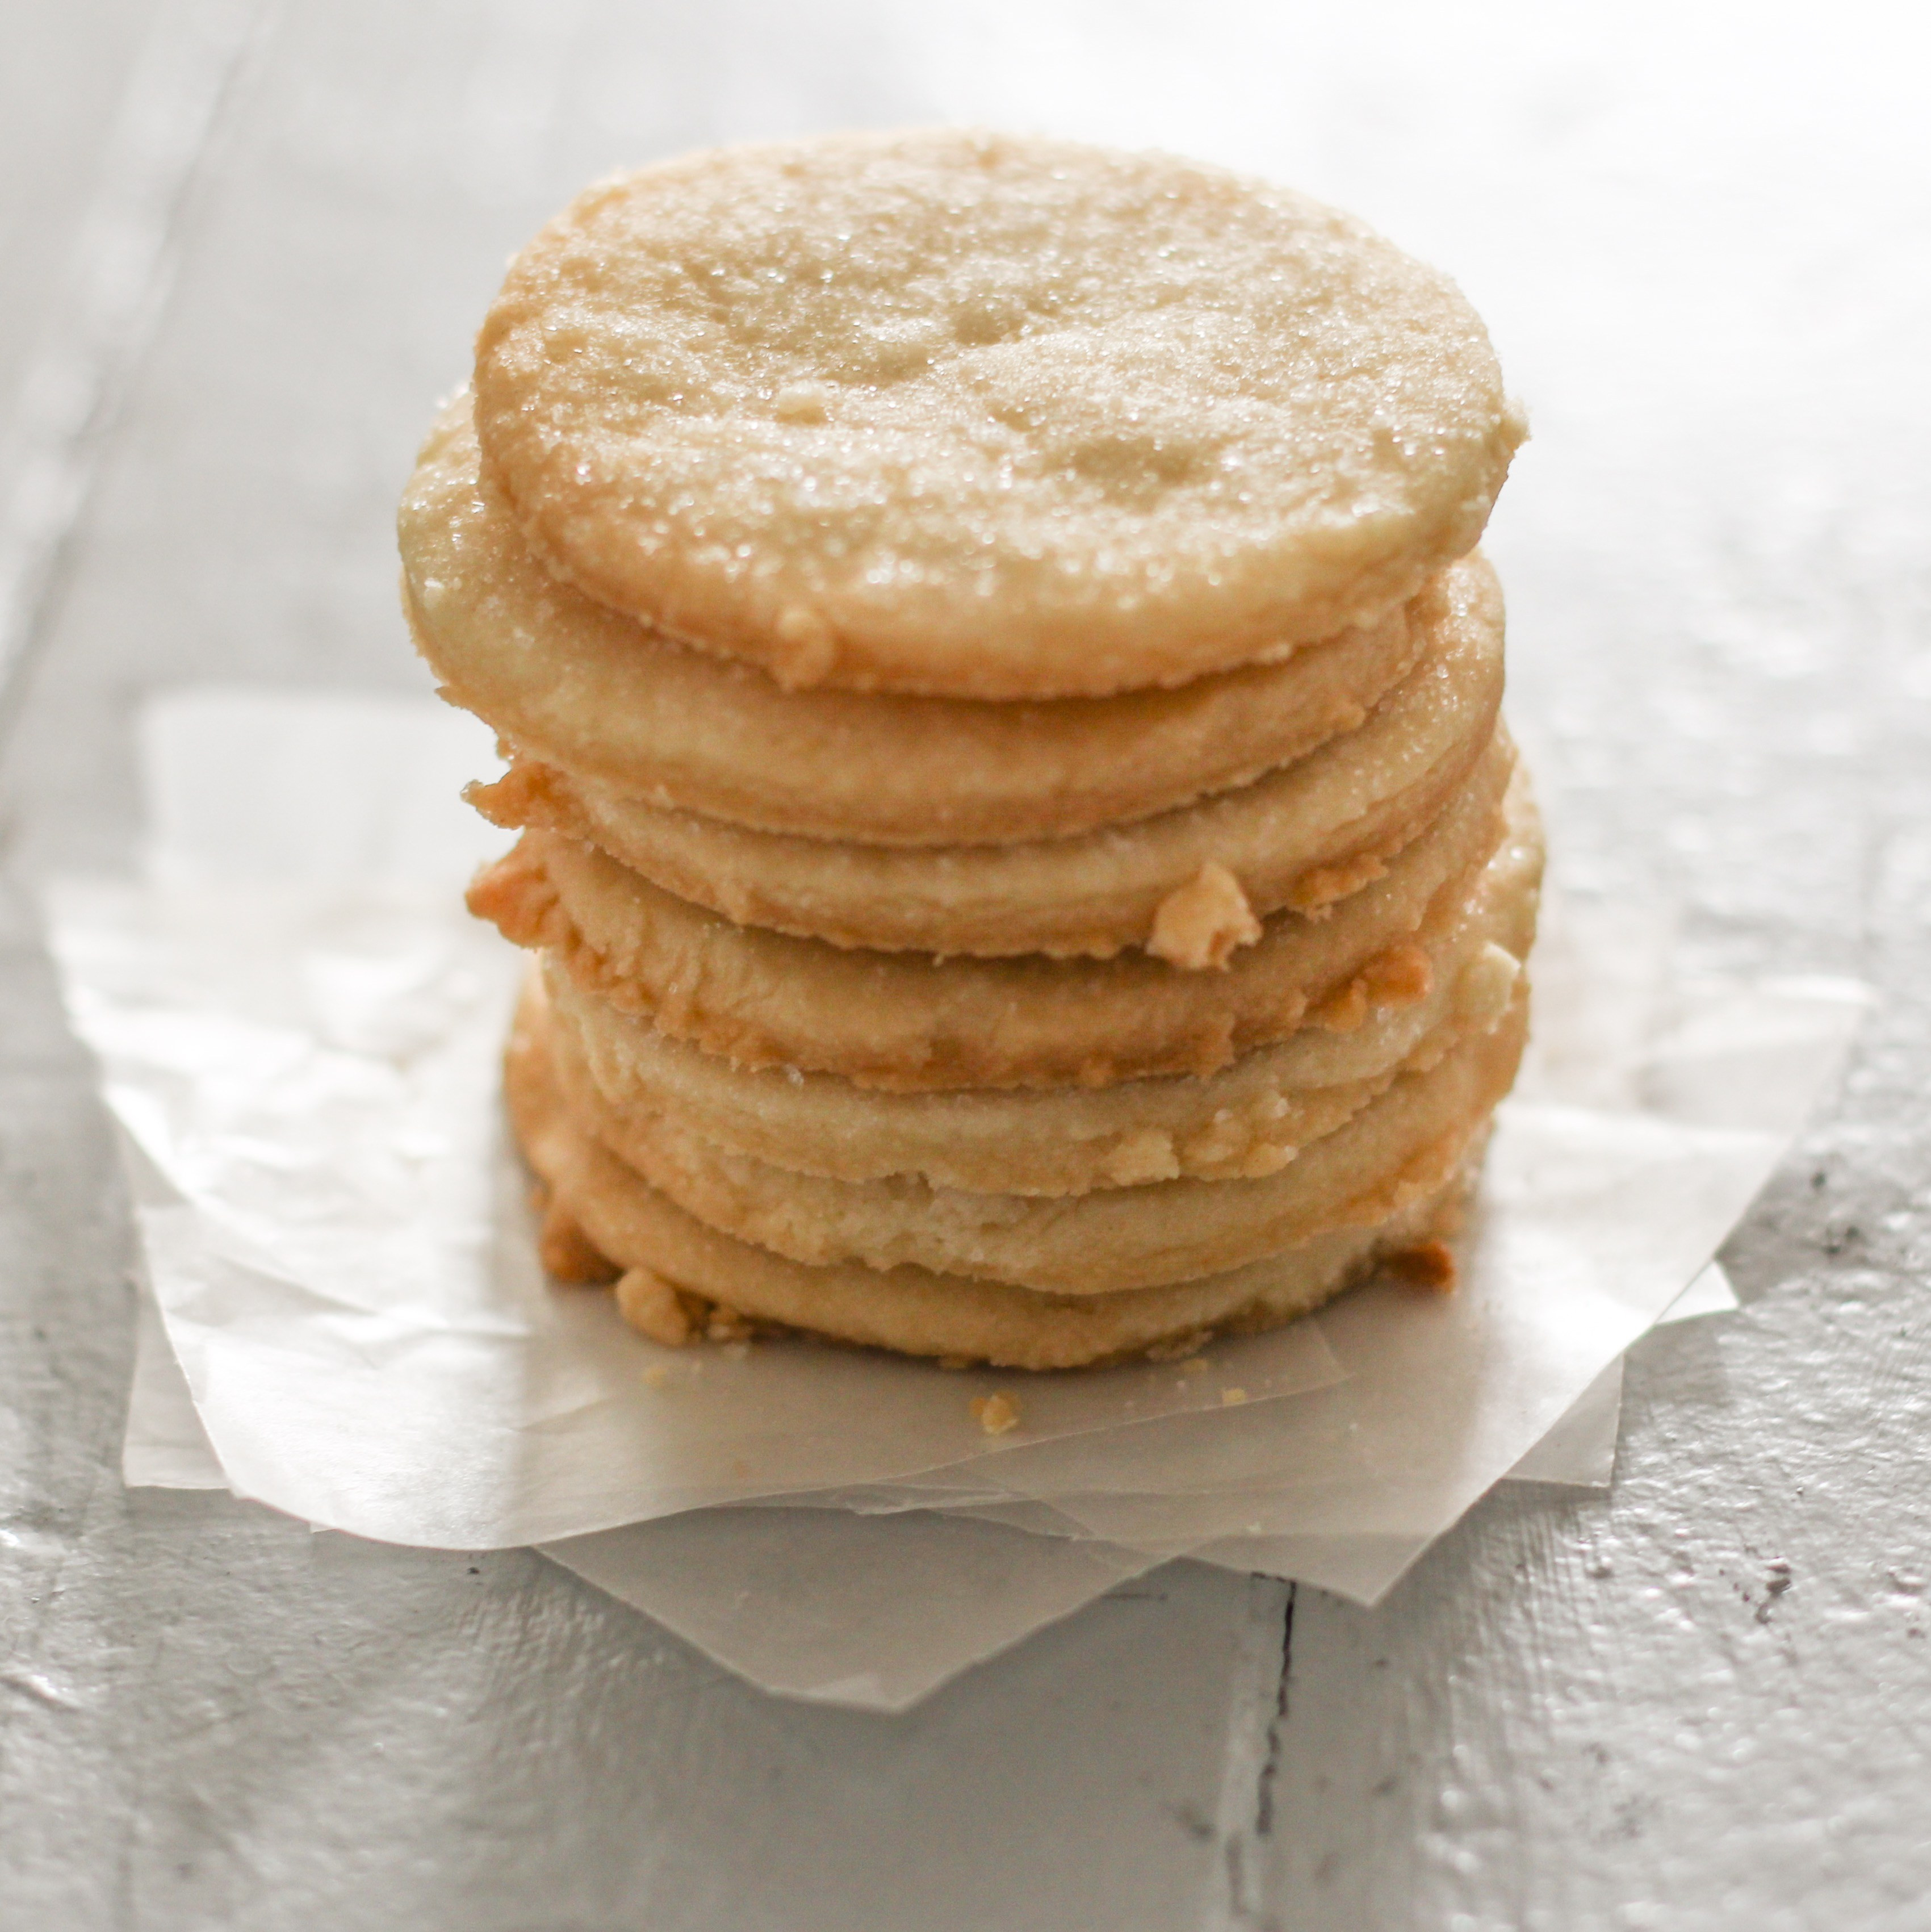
(207, 1716)
(78, 333)
(1700, 243)
(1708, 274)
(60, 84)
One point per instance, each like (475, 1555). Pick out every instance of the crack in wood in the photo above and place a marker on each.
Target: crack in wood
(1258, 1708)
(1263, 1801)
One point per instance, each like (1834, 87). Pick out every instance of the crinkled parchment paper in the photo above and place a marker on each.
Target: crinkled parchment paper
(299, 1027)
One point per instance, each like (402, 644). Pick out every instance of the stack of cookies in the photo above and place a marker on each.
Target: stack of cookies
(1003, 715)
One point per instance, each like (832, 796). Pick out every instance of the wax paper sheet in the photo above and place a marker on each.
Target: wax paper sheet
(298, 1031)
(882, 1604)
(878, 1608)
(1579, 1452)
(335, 1227)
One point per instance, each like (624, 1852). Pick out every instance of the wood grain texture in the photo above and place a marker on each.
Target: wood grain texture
(158, 86)
(1702, 253)
(65, 74)
(1704, 1700)
(207, 1715)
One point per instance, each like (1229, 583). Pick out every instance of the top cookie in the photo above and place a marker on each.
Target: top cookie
(977, 416)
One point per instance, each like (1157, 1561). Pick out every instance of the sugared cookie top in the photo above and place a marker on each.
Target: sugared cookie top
(960, 413)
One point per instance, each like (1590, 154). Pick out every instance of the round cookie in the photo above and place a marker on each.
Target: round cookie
(1401, 1147)
(601, 1203)
(985, 417)
(567, 682)
(902, 1022)
(1250, 1119)
(1300, 836)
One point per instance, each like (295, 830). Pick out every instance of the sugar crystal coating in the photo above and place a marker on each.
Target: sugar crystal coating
(984, 416)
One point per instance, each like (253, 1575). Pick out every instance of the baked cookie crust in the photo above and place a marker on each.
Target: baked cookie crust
(906, 1023)
(982, 416)
(1249, 1119)
(575, 685)
(611, 1216)
(1400, 1148)
(1300, 837)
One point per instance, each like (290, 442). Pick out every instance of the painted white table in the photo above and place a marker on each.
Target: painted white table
(244, 246)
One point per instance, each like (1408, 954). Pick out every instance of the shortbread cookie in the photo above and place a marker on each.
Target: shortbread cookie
(1400, 1148)
(1300, 837)
(567, 682)
(1249, 1119)
(653, 1245)
(656, 1247)
(983, 417)
(902, 1022)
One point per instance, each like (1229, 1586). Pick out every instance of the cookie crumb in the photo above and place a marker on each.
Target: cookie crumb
(1188, 1342)
(810, 648)
(995, 1414)
(1400, 977)
(1232, 1398)
(955, 1364)
(726, 1325)
(802, 403)
(1200, 924)
(656, 1376)
(1324, 884)
(1487, 985)
(1195, 1365)
(1345, 1011)
(1257, 1163)
(650, 1305)
(1145, 1154)
(1429, 1267)
(567, 1253)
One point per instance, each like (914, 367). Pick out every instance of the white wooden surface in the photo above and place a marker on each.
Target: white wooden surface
(244, 246)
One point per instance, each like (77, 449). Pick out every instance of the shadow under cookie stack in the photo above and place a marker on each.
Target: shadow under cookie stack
(1003, 709)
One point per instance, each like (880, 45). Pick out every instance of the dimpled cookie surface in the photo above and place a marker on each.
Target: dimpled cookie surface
(994, 418)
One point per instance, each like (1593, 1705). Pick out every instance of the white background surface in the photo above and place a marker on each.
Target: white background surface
(245, 246)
